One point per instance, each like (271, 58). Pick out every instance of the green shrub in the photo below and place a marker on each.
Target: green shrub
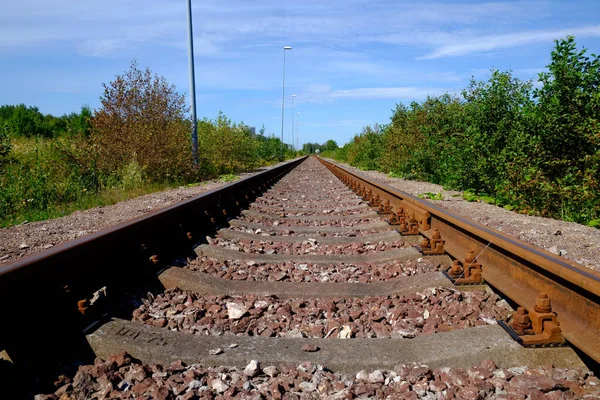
(535, 150)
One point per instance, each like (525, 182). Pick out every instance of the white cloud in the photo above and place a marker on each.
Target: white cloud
(463, 46)
(324, 93)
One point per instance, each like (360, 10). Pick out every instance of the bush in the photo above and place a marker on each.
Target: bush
(5, 145)
(142, 120)
(225, 147)
(532, 150)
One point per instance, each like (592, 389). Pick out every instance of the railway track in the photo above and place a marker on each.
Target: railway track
(305, 281)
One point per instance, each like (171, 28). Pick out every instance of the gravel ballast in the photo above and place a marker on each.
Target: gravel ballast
(434, 310)
(122, 377)
(299, 272)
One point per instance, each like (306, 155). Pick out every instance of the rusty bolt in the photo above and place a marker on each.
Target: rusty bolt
(455, 269)
(436, 234)
(470, 257)
(521, 321)
(189, 235)
(154, 259)
(424, 243)
(542, 303)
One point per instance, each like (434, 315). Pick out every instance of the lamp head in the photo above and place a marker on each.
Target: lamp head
(287, 48)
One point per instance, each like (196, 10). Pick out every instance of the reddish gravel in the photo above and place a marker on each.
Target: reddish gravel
(297, 223)
(298, 272)
(309, 246)
(291, 232)
(272, 201)
(282, 212)
(434, 310)
(122, 377)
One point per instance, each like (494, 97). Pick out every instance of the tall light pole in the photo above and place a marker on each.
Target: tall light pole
(283, 93)
(192, 83)
(293, 119)
(297, 121)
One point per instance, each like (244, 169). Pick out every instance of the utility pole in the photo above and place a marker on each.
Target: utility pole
(192, 83)
(293, 96)
(283, 95)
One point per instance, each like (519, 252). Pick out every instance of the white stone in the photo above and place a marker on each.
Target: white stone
(362, 375)
(252, 369)
(518, 370)
(219, 386)
(308, 387)
(293, 334)
(261, 304)
(216, 351)
(376, 376)
(345, 333)
(553, 249)
(271, 370)
(235, 310)
(195, 384)
(405, 333)
(426, 314)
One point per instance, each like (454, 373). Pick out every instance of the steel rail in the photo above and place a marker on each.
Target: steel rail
(150, 234)
(517, 269)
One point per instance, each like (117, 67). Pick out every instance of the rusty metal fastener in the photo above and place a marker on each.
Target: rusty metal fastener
(472, 270)
(542, 303)
(189, 235)
(410, 226)
(541, 327)
(375, 200)
(397, 214)
(521, 322)
(384, 208)
(154, 259)
(435, 245)
(455, 270)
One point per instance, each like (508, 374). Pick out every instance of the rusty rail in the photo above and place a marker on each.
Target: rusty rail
(519, 270)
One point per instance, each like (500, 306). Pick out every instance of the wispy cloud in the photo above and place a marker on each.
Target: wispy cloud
(324, 93)
(463, 46)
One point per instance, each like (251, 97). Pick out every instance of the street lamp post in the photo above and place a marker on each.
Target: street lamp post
(283, 94)
(297, 121)
(293, 120)
(192, 83)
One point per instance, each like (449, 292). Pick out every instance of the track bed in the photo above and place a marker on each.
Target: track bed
(310, 293)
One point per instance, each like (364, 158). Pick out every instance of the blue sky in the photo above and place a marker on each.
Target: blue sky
(351, 62)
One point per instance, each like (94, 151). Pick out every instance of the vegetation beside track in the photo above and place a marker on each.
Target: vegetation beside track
(137, 142)
(530, 147)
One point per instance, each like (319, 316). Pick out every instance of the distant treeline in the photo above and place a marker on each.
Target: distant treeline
(533, 148)
(21, 120)
(312, 148)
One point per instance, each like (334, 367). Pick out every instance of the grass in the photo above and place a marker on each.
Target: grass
(107, 197)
